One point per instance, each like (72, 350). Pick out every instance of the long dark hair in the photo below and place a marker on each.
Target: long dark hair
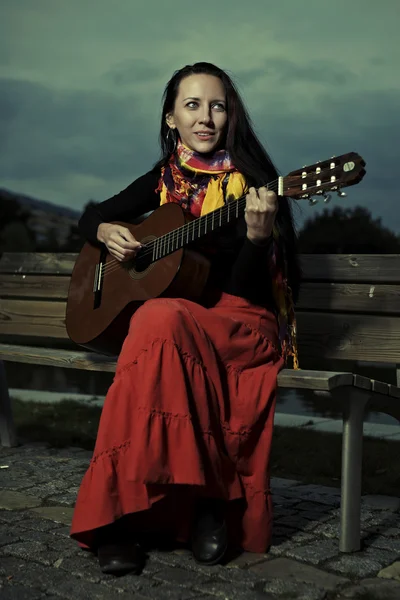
(245, 150)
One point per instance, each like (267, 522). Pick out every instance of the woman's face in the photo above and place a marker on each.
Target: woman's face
(199, 113)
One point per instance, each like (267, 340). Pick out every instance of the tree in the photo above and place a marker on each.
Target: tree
(347, 231)
(15, 233)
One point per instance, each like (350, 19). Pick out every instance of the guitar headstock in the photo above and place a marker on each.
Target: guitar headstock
(326, 176)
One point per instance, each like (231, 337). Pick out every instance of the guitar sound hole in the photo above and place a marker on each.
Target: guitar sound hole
(142, 262)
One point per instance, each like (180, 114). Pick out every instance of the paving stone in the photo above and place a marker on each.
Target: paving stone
(391, 572)
(297, 522)
(7, 516)
(328, 500)
(280, 531)
(50, 488)
(372, 589)
(294, 589)
(62, 531)
(167, 590)
(354, 566)
(9, 565)
(389, 544)
(10, 500)
(200, 597)
(381, 502)
(315, 517)
(383, 557)
(246, 559)
(60, 583)
(39, 524)
(281, 547)
(9, 591)
(64, 499)
(383, 530)
(8, 538)
(131, 584)
(151, 568)
(87, 569)
(329, 530)
(315, 553)
(301, 537)
(314, 507)
(25, 550)
(325, 489)
(59, 514)
(279, 500)
(181, 577)
(283, 511)
(284, 568)
(14, 484)
(278, 482)
(233, 591)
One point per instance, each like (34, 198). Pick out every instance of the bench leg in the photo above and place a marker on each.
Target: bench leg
(8, 437)
(350, 507)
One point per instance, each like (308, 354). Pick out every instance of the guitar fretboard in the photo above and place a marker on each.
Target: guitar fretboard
(196, 229)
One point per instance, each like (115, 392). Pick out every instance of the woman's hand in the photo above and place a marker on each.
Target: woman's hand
(119, 241)
(260, 213)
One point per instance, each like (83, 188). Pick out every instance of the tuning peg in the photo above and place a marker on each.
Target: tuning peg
(327, 198)
(313, 201)
(341, 194)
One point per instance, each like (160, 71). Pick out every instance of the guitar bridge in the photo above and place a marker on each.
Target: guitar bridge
(98, 280)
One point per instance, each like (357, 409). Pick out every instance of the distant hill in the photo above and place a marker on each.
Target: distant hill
(41, 205)
(47, 221)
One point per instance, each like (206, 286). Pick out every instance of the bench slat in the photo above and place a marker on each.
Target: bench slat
(91, 361)
(348, 337)
(70, 359)
(313, 380)
(383, 268)
(349, 297)
(314, 296)
(34, 318)
(34, 286)
(375, 268)
(38, 262)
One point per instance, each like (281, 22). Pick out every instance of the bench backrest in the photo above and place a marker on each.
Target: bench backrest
(349, 308)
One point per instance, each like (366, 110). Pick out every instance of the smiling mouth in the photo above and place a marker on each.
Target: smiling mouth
(204, 135)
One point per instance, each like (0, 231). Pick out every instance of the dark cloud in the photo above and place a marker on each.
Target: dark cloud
(131, 72)
(281, 70)
(47, 132)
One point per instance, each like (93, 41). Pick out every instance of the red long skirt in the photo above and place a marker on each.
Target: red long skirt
(189, 414)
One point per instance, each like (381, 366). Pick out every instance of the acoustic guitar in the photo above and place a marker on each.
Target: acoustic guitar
(104, 293)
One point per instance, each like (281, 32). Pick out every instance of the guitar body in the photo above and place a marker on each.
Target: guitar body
(99, 321)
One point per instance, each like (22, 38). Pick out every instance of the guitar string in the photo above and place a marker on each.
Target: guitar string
(173, 236)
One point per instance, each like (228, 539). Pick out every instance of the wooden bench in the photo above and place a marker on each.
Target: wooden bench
(349, 311)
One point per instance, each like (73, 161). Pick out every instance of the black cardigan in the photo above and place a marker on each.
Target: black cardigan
(238, 266)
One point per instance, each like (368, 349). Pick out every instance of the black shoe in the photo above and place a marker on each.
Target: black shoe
(120, 558)
(117, 552)
(209, 534)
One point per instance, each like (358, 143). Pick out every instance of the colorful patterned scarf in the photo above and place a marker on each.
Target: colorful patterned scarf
(200, 184)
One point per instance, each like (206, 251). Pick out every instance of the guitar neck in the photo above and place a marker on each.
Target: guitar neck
(302, 184)
(196, 229)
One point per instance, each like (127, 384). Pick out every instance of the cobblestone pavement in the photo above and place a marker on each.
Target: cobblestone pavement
(39, 561)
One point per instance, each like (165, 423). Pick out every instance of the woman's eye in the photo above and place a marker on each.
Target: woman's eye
(219, 106)
(191, 104)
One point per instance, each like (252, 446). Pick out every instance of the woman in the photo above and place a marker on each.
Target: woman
(185, 434)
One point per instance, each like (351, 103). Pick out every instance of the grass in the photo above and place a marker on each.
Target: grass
(308, 456)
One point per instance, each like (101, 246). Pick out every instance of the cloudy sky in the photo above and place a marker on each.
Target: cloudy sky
(81, 84)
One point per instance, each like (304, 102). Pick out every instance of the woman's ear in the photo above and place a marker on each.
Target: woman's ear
(170, 121)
